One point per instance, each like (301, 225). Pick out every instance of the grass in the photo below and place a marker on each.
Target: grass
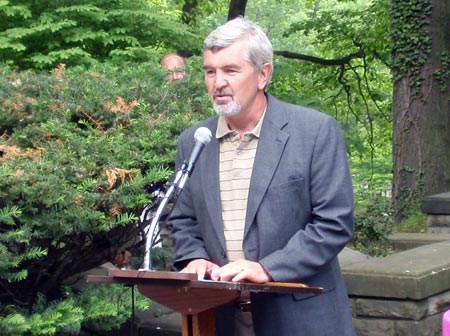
(415, 223)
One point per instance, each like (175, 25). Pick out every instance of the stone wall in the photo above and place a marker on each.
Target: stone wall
(402, 294)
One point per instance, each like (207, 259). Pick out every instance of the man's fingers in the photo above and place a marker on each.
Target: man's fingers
(242, 275)
(201, 267)
(201, 271)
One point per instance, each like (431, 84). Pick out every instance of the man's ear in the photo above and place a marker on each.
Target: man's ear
(264, 75)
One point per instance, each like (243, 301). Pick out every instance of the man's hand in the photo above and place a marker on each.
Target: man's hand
(201, 267)
(241, 270)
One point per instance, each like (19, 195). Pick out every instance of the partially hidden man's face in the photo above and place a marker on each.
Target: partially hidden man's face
(231, 80)
(176, 68)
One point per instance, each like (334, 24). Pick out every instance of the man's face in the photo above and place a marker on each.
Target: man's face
(231, 80)
(176, 67)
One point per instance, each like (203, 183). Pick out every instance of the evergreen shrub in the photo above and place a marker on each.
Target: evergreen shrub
(78, 150)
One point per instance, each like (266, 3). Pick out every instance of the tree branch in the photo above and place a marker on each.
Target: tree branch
(321, 61)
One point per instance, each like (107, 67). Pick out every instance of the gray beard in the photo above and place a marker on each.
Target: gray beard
(228, 110)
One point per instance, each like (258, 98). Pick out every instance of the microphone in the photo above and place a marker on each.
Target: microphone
(202, 137)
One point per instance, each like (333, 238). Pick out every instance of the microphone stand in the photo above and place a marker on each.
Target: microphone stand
(152, 233)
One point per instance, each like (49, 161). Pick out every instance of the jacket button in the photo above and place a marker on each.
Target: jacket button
(223, 254)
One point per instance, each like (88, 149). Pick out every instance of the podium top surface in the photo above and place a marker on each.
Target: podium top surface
(190, 280)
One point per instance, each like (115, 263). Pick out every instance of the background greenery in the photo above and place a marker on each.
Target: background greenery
(88, 124)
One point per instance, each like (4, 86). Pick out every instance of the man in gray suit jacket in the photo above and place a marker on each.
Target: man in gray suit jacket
(270, 198)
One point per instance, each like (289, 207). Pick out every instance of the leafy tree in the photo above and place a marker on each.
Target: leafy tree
(335, 56)
(42, 34)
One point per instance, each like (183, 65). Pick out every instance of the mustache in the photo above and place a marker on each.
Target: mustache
(223, 92)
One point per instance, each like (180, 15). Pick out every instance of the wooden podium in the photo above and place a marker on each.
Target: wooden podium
(194, 299)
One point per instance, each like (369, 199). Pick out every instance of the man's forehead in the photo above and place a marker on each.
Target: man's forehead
(174, 62)
(225, 62)
(171, 62)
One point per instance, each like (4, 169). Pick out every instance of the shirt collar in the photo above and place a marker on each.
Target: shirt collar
(223, 129)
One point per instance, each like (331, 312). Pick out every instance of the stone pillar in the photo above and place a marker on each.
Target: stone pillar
(437, 209)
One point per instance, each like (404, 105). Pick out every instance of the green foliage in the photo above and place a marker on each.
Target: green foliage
(416, 222)
(162, 258)
(107, 307)
(357, 93)
(370, 179)
(373, 226)
(78, 150)
(443, 74)
(409, 198)
(48, 319)
(45, 33)
(97, 306)
(411, 42)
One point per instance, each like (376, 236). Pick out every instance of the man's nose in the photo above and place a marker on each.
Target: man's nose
(220, 81)
(178, 75)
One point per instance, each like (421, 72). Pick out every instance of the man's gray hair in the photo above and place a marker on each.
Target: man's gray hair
(259, 49)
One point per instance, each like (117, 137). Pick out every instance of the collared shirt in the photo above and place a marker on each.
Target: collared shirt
(235, 169)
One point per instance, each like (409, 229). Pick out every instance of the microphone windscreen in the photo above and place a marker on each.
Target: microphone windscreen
(203, 135)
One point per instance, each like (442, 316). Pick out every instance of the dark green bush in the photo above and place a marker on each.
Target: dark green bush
(77, 150)
(373, 226)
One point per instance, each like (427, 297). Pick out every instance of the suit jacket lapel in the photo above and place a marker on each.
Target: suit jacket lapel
(270, 148)
(210, 182)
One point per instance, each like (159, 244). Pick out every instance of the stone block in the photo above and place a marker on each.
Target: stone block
(438, 220)
(395, 309)
(352, 302)
(439, 303)
(349, 256)
(438, 224)
(374, 327)
(438, 204)
(438, 230)
(430, 326)
(415, 274)
(402, 241)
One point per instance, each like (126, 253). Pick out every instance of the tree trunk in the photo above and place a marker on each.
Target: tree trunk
(187, 13)
(421, 105)
(237, 8)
